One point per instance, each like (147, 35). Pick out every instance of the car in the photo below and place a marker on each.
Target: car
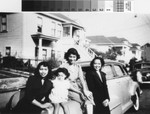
(124, 92)
(144, 69)
(8, 88)
(11, 82)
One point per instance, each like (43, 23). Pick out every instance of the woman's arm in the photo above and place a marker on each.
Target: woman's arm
(30, 95)
(86, 91)
(83, 81)
(40, 105)
(74, 90)
(105, 83)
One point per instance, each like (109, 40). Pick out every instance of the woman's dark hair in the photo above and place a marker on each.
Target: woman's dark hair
(99, 58)
(71, 51)
(45, 64)
(63, 70)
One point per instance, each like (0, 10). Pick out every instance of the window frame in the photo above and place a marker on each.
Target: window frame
(3, 24)
(122, 70)
(59, 30)
(39, 24)
(113, 76)
(8, 50)
(53, 29)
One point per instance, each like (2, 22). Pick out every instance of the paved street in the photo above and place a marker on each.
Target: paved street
(144, 102)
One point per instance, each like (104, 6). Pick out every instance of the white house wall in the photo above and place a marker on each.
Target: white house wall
(13, 36)
(29, 28)
(30, 22)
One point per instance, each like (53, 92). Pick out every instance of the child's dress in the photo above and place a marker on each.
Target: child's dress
(60, 91)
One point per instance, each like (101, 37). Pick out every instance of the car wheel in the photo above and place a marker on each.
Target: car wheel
(136, 103)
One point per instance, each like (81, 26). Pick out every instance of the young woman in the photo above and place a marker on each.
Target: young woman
(96, 82)
(38, 88)
(77, 79)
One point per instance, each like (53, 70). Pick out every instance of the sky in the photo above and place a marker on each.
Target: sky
(135, 26)
(132, 26)
(10, 5)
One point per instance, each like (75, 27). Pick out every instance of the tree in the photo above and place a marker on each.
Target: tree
(113, 52)
(110, 54)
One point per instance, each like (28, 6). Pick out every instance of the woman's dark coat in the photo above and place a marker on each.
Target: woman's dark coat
(34, 90)
(99, 90)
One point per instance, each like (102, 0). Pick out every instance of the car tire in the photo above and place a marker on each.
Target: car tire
(136, 103)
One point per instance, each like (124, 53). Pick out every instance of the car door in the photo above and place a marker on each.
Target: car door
(124, 83)
(114, 87)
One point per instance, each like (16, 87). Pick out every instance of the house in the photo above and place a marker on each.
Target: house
(103, 44)
(39, 36)
(136, 51)
(146, 52)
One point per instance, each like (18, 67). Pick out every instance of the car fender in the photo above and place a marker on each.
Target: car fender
(134, 88)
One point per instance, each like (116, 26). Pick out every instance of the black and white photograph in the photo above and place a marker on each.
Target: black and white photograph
(83, 57)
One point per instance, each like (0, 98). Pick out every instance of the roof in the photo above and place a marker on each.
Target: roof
(64, 17)
(117, 40)
(146, 45)
(106, 40)
(60, 17)
(134, 46)
(99, 40)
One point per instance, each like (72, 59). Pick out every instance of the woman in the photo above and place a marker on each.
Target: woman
(77, 79)
(96, 82)
(38, 88)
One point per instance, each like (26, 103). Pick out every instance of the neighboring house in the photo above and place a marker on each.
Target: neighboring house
(136, 51)
(39, 36)
(146, 52)
(103, 44)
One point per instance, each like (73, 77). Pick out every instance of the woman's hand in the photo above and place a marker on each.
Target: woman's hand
(88, 94)
(105, 102)
(46, 105)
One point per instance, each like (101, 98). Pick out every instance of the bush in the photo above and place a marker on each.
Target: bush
(9, 62)
(54, 63)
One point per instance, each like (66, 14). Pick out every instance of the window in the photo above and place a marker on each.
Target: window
(44, 54)
(59, 31)
(66, 31)
(39, 24)
(3, 24)
(118, 70)
(53, 30)
(8, 51)
(53, 54)
(108, 70)
(36, 51)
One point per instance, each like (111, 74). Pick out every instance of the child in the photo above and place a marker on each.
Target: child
(59, 93)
